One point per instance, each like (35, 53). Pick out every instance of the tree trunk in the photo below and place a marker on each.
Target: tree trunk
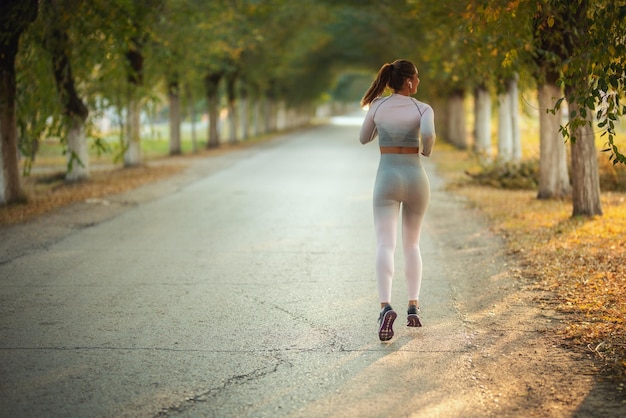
(14, 19)
(257, 120)
(174, 99)
(212, 82)
(515, 115)
(505, 132)
(78, 151)
(134, 56)
(232, 108)
(585, 175)
(11, 190)
(244, 113)
(281, 116)
(440, 107)
(2, 182)
(483, 122)
(132, 154)
(192, 118)
(272, 115)
(457, 128)
(509, 138)
(553, 175)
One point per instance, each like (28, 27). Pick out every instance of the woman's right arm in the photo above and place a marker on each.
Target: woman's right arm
(427, 131)
(368, 129)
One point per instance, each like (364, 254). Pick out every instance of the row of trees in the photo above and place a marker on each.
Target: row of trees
(78, 57)
(570, 52)
(66, 61)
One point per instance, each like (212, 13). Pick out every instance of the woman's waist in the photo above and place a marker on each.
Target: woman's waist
(399, 149)
(399, 143)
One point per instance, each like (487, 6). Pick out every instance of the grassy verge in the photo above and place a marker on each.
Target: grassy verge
(581, 261)
(46, 189)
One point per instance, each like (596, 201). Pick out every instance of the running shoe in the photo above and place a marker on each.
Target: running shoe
(386, 318)
(412, 318)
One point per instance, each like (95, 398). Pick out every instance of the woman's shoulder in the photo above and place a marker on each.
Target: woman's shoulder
(423, 107)
(375, 104)
(380, 99)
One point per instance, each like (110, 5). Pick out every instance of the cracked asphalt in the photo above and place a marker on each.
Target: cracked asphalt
(245, 287)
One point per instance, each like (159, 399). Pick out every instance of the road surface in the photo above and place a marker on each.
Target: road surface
(245, 288)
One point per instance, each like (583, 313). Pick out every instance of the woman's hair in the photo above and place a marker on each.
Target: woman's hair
(390, 75)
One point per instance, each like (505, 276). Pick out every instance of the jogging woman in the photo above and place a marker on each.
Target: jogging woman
(401, 186)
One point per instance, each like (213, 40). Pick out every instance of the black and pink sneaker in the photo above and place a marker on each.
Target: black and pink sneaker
(412, 318)
(386, 318)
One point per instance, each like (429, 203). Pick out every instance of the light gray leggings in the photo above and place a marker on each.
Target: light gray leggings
(400, 182)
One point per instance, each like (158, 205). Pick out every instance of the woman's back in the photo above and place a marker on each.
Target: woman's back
(399, 121)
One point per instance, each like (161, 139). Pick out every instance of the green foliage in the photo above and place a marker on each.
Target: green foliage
(593, 66)
(38, 112)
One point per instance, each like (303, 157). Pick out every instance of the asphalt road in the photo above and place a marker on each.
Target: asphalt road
(246, 289)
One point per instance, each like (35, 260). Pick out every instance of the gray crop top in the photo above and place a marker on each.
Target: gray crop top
(399, 121)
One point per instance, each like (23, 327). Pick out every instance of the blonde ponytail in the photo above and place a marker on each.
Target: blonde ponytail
(390, 75)
(378, 85)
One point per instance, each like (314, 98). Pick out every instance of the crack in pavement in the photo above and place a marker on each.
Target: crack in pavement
(205, 396)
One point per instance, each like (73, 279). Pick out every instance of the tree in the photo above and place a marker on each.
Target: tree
(509, 142)
(212, 83)
(554, 180)
(177, 62)
(15, 17)
(482, 112)
(578, 36)
(58, 15)
(38, 113)
(139, 15)
(131, 26)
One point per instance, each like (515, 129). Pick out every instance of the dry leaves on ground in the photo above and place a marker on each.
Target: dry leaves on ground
(582, 261)
(45, 193)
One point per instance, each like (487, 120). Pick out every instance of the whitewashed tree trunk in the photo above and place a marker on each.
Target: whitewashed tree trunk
(441, 107)
(509, 137)
(457, 128)
(505, 133)
(516, 135)
(554, 179)
(175, 120)
(257, 127)
(244, 104)
(232, 121)
(77, 151)
(269, 115)
(132, 156)
(483, 122)
(281, 116)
